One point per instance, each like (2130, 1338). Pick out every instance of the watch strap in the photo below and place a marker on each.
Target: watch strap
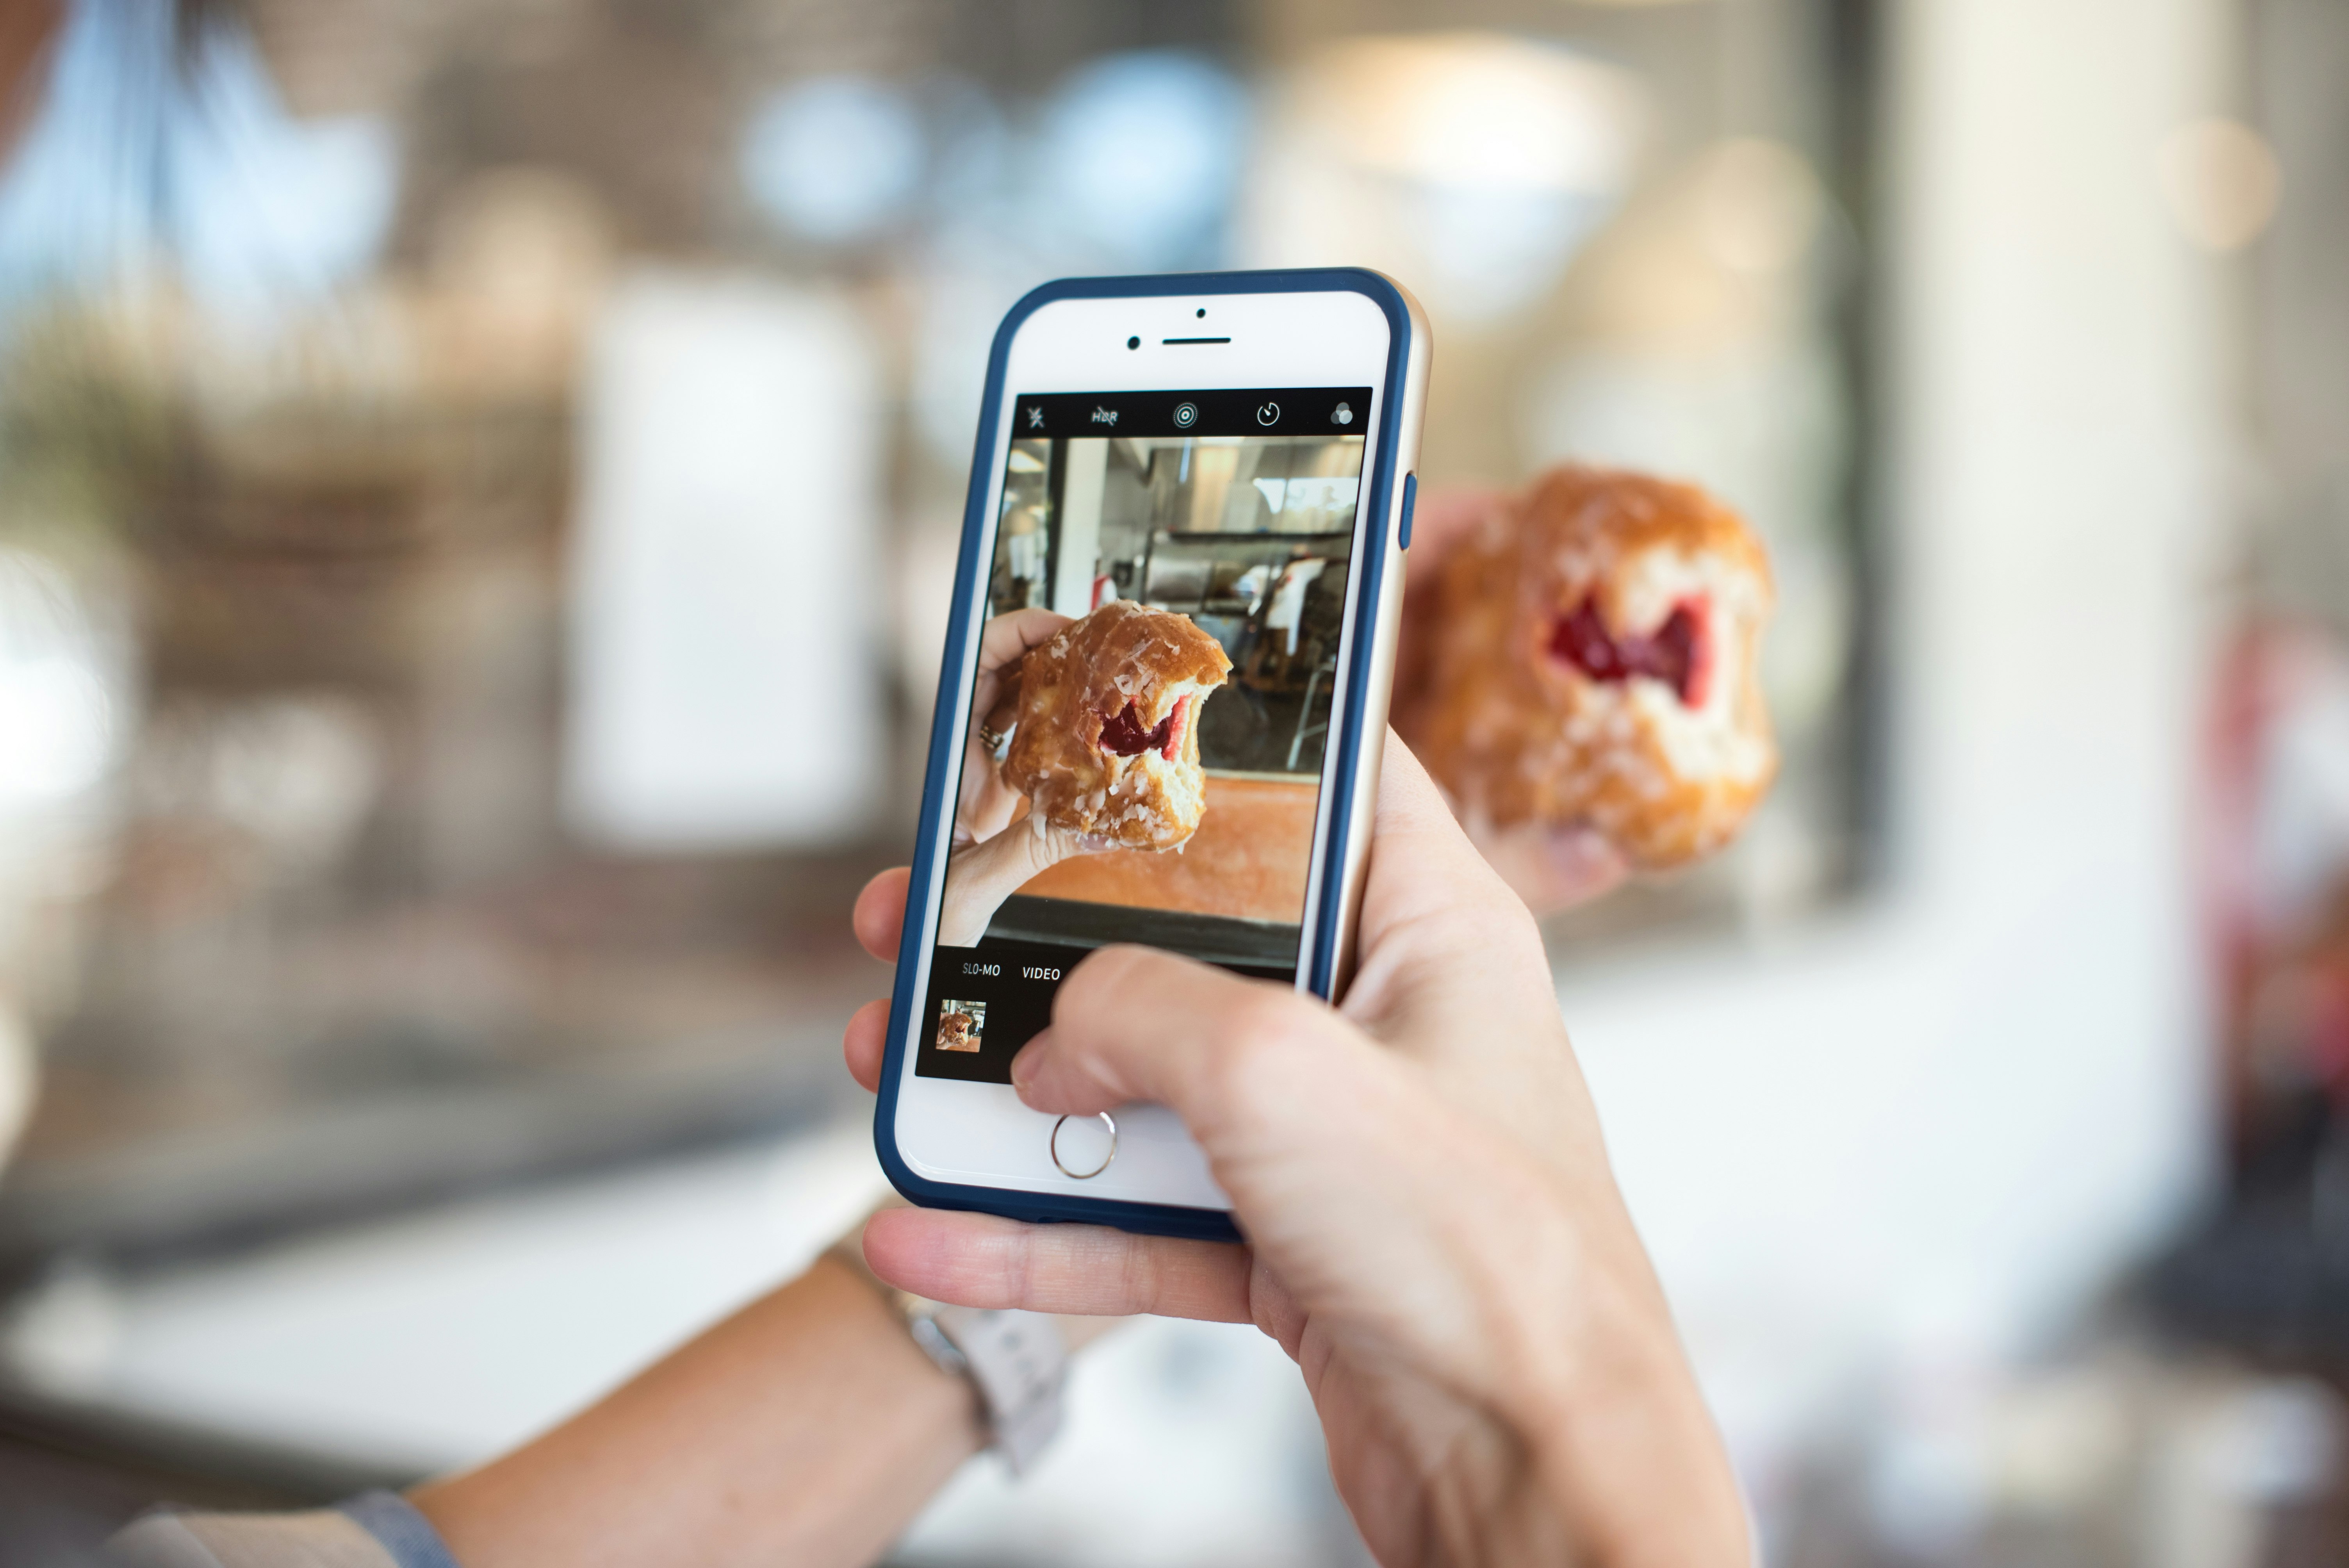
(1017, 1362)
(1020, 1364)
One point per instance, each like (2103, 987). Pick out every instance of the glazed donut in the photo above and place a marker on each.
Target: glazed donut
(1593, 663)
(1108, 739)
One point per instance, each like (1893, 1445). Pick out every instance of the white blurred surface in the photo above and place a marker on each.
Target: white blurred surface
(436, 1341)
(728, 591)
(443, 1339)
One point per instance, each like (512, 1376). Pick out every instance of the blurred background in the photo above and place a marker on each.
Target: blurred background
(479, 489)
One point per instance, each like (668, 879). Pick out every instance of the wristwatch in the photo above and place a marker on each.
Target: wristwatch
(1016, 1361)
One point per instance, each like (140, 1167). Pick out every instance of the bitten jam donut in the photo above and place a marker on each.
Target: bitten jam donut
(1593, 663)
(1108, 737)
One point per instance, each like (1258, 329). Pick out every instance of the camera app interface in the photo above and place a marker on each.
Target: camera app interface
(1153, 698)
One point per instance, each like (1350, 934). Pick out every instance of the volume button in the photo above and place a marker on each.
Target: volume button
(1410, 499)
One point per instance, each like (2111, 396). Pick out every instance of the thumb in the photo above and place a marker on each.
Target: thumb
(1136, 1024)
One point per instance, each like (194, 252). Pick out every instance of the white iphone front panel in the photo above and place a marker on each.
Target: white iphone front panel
(1185, 493)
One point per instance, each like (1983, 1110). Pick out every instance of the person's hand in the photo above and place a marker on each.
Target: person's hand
(986, 804)
(1433, 1233)
(1551, 867)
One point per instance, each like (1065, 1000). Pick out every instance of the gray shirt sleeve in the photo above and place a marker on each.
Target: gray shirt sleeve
(375, 1529)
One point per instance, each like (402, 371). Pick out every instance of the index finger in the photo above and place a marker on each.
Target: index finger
(1012, 634)
(1425, 872)
(879, 917)
(1086, 1271)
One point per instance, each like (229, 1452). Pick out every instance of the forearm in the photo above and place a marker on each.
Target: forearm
(808, 1428)
(1643, 1479)
(981, 876)
(1615, 1433)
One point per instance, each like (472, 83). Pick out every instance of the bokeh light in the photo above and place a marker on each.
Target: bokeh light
(1140, 156)
(834, 160)
(2220, 180)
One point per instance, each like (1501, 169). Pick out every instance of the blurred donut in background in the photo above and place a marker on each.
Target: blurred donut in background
(1584, 661)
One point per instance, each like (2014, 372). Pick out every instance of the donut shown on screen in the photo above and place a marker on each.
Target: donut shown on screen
(1108, 739)
(1593, 663)
(958, 1028)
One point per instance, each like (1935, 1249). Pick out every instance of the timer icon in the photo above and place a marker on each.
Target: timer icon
(1266, 413)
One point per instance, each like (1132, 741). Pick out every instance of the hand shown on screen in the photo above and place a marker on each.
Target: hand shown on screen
(996, 849)
(1551, 867)
(986, 804)
(1433, 1233)
(979, 877)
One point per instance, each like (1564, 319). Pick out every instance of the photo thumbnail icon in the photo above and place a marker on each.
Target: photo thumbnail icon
(960, 1024)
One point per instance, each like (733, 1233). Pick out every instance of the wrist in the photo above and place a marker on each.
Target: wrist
(1611, 1418)
(1015, 1362)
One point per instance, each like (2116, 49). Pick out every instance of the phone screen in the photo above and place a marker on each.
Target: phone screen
(1233, 511)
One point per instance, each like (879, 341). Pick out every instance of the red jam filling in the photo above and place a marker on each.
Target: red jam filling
(1677, 652)
(1122, 733)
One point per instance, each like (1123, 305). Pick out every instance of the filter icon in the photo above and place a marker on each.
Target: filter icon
(1343, 415)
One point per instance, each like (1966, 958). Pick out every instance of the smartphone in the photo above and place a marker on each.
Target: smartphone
(1235, 449)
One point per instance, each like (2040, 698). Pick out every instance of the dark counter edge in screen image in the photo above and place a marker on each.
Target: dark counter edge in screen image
(1247, 411)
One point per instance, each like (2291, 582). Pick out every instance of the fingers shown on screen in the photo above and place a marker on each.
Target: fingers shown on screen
(1013, 633)
(866, 1041)
(880, 914)
(979, 1260)
(1002, 644)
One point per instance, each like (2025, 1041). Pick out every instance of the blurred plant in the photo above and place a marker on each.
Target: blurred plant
(87, 439)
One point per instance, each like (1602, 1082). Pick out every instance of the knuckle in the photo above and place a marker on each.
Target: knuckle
(1139, 1280)
(1259, 1027)
(1494, 928)
(1019, 1271)
(1101, 976)
(1263, 1020)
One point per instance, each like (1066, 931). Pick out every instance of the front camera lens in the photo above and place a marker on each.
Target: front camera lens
(1133, 343)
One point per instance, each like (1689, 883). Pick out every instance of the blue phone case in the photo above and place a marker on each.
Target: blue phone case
(1321, 965)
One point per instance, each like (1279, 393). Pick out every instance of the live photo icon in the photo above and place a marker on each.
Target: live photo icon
(1344, 415)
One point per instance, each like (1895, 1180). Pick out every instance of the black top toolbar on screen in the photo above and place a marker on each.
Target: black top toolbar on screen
(1259, 411)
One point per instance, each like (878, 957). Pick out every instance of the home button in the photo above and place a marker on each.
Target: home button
(1082, 1146)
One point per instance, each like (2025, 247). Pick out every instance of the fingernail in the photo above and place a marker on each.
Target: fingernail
(1023, 1068)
